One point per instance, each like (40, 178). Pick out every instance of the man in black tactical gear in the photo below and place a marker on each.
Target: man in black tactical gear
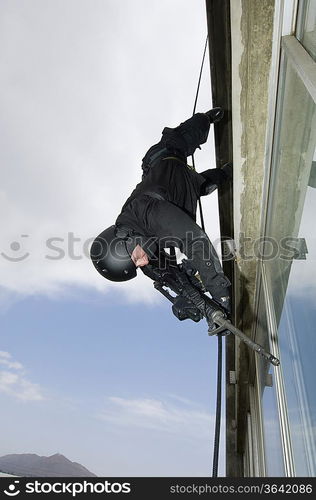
(161, 212)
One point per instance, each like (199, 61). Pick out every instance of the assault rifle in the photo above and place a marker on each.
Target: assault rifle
(191, 302)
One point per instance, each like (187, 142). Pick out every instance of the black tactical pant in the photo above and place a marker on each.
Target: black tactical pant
(171, 225)
(174, 228)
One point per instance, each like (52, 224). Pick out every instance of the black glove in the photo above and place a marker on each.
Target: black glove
(225, 303)
(220, 292)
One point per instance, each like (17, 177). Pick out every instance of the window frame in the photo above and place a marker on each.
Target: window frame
(292, 53)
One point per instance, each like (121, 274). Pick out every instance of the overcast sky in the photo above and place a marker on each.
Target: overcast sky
(98, 371)
(86, 88)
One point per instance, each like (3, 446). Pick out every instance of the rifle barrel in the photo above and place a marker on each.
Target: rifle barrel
(219, 319)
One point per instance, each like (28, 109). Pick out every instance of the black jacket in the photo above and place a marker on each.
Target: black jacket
(171, 179)
(166, 173)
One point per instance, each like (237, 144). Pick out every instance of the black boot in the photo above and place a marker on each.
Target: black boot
(215, 114)
(227, 169)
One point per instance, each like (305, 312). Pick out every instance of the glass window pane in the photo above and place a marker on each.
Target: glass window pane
(291, 268)
(298, 346)
(306, 26)
(293, 171)
(271, 428)
(272, 438)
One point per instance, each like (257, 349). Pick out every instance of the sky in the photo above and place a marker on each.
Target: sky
(100, 372)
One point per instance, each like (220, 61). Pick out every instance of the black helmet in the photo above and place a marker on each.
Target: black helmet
(111, 255)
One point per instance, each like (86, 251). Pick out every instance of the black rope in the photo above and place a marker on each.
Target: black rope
(194, 109)
(200, 76)
(220, 338)
(218, 406)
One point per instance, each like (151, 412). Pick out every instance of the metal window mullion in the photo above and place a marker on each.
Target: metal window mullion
(246, 466)
(257, 433)
(250, 447)
(260, 431)
(300, 19)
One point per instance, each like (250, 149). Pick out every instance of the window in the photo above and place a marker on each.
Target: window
(274, 465)
(291, 267)
(298, 345)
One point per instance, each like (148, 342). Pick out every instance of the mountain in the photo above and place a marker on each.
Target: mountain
(32, 465)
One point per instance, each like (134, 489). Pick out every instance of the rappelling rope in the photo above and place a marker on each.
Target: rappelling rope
(200, 76)
(218, 406)
(219, 336)
(194, 109)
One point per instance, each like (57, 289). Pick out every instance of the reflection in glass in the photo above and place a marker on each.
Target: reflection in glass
(293, 159)
(272, 439)
(298, 346)
(291, 274)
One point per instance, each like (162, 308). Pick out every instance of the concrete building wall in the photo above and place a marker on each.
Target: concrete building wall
(252, 27)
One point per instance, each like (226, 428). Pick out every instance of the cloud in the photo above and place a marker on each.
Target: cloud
(10, 364)
(83, 96)
(15, 384)
(158, 415)
(5, 359)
